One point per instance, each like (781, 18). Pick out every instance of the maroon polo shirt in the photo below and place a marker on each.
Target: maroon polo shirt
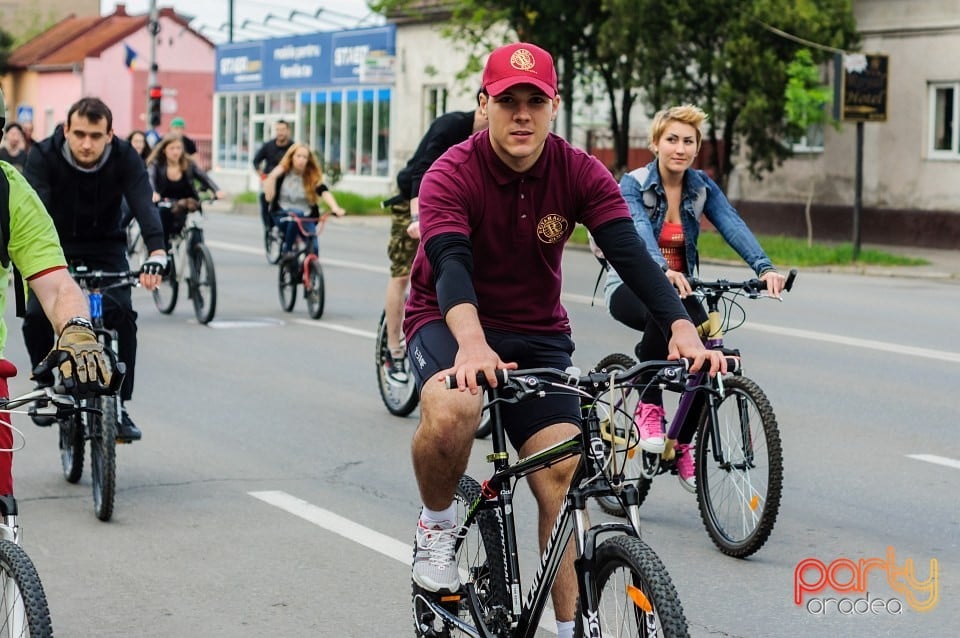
(517, 223)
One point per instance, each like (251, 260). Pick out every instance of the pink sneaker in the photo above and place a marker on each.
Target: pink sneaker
(649, 420)
(687, 467)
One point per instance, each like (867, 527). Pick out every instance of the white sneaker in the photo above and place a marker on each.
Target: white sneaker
(434, 559)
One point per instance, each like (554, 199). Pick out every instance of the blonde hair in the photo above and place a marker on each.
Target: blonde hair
(312, 173)
(686, 113)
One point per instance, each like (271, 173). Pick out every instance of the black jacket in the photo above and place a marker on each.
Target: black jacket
(85, 206)
(447, 130)
(270, 155)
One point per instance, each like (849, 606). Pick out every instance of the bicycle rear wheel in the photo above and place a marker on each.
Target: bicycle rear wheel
(71, 448)
(739, 469)
(203, 283)
(632, 463)
(23, 603)
(480, 559)
(635, 596)
(313, 289)
(399, 396)
(165, 295)
(287, 283)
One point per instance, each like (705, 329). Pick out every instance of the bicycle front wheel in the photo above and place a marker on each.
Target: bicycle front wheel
(399, 395)
(635, 595)
(620, 437)
(272, 242)
(103, 452)
(287, 283)
(203, 283)
(165, 295)
(71, 448)
(480, 559)
(313, 289)
(739, 469)
(24, 610)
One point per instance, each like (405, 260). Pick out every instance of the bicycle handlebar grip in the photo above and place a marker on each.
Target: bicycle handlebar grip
(790, 279)
(502, 375)
(733, 363)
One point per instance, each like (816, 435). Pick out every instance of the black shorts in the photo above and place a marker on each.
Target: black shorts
(433, 348)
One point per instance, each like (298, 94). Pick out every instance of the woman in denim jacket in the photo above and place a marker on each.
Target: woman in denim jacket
(667, 198)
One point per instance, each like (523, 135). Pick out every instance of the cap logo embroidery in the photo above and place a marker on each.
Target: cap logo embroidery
(522, 60)
(552, 228)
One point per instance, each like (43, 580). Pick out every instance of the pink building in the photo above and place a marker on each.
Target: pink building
(109, 57)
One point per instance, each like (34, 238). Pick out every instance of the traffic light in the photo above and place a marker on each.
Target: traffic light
(153, 106)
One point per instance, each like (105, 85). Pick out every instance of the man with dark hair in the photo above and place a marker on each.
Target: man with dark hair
(33, 246)
(82, 173)
(267, 159)
(505, 202)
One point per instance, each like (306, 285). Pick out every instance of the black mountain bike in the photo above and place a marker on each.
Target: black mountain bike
(98, 418)
(624, 589)
(189, 263)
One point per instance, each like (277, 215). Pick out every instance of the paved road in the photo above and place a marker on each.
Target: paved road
(272, 494)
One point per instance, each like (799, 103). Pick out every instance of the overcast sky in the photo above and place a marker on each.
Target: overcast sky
(212, 14)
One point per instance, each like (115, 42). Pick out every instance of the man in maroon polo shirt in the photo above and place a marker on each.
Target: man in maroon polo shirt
(495, 213)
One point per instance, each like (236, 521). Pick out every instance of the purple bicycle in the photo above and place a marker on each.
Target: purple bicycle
(738, 456)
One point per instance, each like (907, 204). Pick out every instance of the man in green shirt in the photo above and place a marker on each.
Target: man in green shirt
(34, 247)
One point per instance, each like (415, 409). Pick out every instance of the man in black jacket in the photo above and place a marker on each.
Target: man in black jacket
(447, 130)
(267, 159)
(81, 173)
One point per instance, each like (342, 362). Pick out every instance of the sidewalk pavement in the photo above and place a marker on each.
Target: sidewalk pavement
(944, 265)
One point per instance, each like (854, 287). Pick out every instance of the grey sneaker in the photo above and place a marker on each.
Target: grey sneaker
(435, 560)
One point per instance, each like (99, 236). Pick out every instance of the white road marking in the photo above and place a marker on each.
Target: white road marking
(336, 328)
(389, 547)
(868, 344)
(939, 460)
(381, 543)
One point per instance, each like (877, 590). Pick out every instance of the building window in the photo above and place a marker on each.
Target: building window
(434, 104)
(811, 142)
(349, 130)
(944, 115)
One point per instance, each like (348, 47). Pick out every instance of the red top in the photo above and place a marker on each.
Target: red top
(517, 223)
(672, 246)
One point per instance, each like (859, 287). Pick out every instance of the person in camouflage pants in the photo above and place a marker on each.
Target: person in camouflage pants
(446, 131)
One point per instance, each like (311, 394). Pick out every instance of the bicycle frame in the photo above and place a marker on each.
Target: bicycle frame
(190, 235)
(497, 494)
(304, 247)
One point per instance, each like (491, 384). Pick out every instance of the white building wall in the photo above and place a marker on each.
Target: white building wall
(922, 40)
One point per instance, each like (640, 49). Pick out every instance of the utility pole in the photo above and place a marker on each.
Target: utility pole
(154, 91)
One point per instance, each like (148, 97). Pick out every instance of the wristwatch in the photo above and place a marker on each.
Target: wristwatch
(83, 322)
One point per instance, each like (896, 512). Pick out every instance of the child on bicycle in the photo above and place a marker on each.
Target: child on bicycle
(298, 196)
(667, 199)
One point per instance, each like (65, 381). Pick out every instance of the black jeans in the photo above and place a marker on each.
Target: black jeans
(627, 308)
(265, 215)
(118, 314)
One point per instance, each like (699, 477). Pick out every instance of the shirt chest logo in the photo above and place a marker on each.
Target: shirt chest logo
(552, 228)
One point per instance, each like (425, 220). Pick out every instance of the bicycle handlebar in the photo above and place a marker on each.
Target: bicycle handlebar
(45, 398)
(752, 287)
(95, 278)
(533, 379)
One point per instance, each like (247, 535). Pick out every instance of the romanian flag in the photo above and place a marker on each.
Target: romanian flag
(131, 59)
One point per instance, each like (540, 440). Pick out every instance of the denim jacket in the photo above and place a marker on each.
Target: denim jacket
(644, 193)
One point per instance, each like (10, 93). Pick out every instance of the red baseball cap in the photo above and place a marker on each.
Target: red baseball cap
(519, 63)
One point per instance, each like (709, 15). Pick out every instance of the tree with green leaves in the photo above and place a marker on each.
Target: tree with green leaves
(6, 48)
(806, 107)
(729, 57)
